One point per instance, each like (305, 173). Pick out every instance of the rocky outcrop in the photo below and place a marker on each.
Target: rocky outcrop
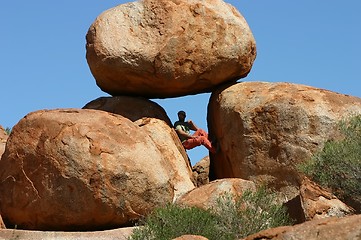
(133, 108)
(329, 228)
(314, 202)
(112, 162)
(190, 237)
(2, 224)
(201, 172)
(155, 122)
(80, 169)
(206, 196)
(3, 139)
(168, 48)
(266, 129)
(115, 234)
(319, 203)
(174, 158)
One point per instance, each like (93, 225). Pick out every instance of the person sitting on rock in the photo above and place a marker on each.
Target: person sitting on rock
(189, 141)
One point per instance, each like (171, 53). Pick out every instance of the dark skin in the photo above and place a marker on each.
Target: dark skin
(192, 126)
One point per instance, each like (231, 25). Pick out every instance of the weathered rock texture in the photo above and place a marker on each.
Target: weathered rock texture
(133, 108)
(115, 234)
(319, 203)
(3, 139)
(201, 171)
(347, 228)
(80, 169)
(314, 202)
(206, 196)
(266, 129)
(168, 48)
(152, 118)
(174, 157)
(190, 237)
(2, 224)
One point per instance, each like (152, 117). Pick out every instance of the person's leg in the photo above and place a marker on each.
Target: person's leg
(205, 142)
(201, 140)
(191, 143)
(201, 132)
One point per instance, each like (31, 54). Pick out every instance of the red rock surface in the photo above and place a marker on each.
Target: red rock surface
(347, 228)
(266, 129)
(3, 139)
(133, 108)
(190, 237)
(206, 196)
(167, 48)
(319, 203)
(201, 171)
(79, 169)
(116, 234)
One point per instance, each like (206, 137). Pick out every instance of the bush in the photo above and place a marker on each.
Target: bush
(8, 130)
(338, 164)
(173, 221)
(229, 219)
(250, 213)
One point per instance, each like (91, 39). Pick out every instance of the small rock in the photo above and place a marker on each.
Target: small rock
(346, 228)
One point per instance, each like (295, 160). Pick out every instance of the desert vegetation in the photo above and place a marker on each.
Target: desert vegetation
(338, 165)
(230, 218)
(8, 130)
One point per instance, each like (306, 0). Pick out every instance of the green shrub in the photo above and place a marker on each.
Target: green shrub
(229, 219)
(338, 164)
(173, 221)
(251, 212)
(8, 130)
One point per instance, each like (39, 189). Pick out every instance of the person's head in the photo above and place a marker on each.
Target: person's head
(182, 115)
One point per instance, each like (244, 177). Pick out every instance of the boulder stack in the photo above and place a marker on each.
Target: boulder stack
(78, 169)
(111, 163)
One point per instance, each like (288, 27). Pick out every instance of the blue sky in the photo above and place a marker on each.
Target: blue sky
(43, 65)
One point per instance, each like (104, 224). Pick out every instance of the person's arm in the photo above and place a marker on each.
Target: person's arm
(192, 126)
(182, 133)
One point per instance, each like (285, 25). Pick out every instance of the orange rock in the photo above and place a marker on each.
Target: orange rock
(133, 108)
(2, 224)
(190, 237)
(3, 139)
(153, 119)
(206, 196)
(319, 203)
(169, 48)
(266, 129)
(118, 234)
(201, 171)
(328, 228)
(81, 169)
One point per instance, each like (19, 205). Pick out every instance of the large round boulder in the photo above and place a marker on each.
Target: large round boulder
(133, 108)
(155, 122)
(82, 169)
(168, 48)
(266, 129)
